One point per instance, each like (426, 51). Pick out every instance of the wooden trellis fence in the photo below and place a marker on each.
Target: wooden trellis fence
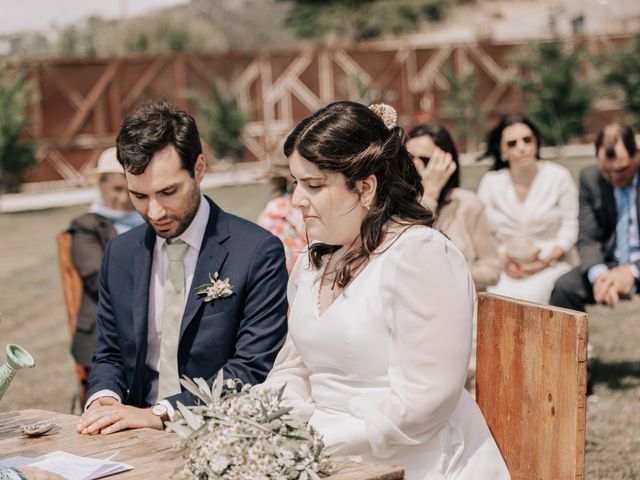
(77, 105)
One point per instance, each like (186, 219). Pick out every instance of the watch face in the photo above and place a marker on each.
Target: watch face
(159, 410)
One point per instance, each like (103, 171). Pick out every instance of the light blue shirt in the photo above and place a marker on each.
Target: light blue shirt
(634, 230)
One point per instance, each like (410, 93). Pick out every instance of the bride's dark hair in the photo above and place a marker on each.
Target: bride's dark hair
(348, 138)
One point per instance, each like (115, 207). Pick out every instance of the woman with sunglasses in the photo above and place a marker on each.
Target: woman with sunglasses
(459, 213)
(532, 205)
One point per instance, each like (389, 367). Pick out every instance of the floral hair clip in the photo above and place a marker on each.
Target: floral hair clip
(386, 112)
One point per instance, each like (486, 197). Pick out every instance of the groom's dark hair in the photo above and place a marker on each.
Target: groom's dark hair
(151, 128)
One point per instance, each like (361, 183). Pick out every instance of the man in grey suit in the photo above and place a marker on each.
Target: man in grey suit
(609, 216)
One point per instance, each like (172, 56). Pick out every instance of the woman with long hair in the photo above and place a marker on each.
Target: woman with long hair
(381, 306)
(459, 212)
(532, 205)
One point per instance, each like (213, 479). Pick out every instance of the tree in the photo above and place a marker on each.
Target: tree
(559, 98)
(622, 70)
(16, 155)
(222, 122)
(462, 106)
(362, 19)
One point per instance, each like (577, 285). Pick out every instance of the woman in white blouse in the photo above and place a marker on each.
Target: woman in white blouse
(380, 308)
(532, 205)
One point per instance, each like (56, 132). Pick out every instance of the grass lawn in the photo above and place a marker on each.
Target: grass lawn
(33, 316)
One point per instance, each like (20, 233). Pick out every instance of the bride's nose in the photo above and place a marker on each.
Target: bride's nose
(298, 199)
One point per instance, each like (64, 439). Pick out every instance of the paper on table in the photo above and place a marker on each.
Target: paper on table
(72, 467)
(16, 462)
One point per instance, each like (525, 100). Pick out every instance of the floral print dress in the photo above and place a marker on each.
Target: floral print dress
(285, 222)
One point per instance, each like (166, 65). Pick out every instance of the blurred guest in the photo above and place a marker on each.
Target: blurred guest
(608, 238)
(532, 205)
(459, 212)
(280, 218)
(111, 214)
(27, 473)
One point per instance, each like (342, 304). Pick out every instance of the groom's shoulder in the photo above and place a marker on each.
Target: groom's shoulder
(124, 242)
(245, 230)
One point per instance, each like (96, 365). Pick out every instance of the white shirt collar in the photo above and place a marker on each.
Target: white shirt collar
(194, 233)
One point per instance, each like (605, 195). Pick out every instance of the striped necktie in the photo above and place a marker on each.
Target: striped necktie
(622, 227)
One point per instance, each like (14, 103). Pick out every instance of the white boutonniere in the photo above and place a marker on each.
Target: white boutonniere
(216, 289)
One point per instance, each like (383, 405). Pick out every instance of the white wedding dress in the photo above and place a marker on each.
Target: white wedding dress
(380, 372)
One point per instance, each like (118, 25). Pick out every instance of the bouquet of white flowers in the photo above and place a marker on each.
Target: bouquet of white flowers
(242, 433)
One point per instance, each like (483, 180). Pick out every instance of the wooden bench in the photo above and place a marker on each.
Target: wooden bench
(72, 289)
(531, 385)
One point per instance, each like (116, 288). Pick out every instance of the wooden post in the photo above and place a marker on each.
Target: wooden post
(531, 385)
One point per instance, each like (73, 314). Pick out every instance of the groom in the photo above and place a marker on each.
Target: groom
(154, 327)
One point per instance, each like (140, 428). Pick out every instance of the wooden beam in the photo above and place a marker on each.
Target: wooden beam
(143, 82)
(115, 106)
(36, 102)
(73, 96)
(81, 115)
(180, 72)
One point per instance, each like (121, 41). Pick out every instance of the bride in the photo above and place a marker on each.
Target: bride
(381, 306)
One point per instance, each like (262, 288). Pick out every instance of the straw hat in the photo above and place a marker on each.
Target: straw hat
(107, 163)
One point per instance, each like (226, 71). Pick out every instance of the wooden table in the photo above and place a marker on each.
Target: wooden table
(149, 451)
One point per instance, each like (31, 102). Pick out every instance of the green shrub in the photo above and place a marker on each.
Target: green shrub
(16, 154)
(558, 98)
(622, 71)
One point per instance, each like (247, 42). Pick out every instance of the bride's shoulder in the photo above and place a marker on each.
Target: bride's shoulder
(415, 234)
(421, 241)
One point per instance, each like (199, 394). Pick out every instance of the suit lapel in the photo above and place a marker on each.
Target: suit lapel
(142, 277)
(210, 260)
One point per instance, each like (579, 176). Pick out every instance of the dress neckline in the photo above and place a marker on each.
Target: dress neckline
(376, 255)
(534, 182)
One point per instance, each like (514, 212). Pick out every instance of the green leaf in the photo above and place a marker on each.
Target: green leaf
(218, 384)
(194, 422)
(193, 388)
(204, 388)
(279, 413)
(183, 431)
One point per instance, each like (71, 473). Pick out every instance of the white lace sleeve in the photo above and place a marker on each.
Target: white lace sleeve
(428, 297)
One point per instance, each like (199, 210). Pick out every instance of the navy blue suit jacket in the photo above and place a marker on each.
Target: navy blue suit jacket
(241, 333)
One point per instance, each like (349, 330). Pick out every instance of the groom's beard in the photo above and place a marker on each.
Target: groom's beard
(183, 220)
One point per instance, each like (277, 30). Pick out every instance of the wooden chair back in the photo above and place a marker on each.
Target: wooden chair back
(71, 281)
(531, 385)
(72, 289)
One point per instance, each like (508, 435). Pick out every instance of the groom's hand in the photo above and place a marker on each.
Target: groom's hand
(101, 401)
(106, 419)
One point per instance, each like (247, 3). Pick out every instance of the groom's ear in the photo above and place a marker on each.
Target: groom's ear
(367, 189)
(200, 167)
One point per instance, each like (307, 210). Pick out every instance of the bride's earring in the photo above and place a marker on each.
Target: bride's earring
(366, 204)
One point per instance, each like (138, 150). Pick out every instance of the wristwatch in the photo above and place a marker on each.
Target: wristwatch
(161, 411)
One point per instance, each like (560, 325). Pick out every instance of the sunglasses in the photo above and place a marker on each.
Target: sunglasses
(424, 159)
(512, 143)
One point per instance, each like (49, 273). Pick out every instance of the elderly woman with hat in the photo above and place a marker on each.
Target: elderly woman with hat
(111, 214)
